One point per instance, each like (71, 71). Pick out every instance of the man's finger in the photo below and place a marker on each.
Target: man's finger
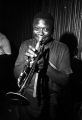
(30, 47)
(28, 54)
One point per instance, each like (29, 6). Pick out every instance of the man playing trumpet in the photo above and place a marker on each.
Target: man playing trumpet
(51, 72)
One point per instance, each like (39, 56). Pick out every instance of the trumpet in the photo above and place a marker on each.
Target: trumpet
(25, 77)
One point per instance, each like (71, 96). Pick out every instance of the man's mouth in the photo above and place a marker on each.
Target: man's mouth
(40, 37)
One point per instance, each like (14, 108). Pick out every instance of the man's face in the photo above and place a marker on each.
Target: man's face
(41, 29)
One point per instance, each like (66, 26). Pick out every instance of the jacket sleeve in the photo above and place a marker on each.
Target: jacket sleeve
(59, 66)
(20, 62)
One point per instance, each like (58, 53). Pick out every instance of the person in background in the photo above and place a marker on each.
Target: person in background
(5, 47)
(5, 56)
(51, 71)
(5, 70)
(74, 94)
(5, 62)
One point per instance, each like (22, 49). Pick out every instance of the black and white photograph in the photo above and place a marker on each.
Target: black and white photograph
(41, 60)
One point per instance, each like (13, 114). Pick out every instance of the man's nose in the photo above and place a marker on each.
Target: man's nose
(41, 32)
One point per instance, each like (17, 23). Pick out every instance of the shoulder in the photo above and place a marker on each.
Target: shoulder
(2, 36)
(3, 39)
(59, 46)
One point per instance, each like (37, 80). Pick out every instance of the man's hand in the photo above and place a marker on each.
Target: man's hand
(31, 52)
(30, 55)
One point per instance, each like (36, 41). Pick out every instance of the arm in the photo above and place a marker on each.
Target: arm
(59, 69)
(21, 61)
(5, 44)
(61, 78)
(6, 47)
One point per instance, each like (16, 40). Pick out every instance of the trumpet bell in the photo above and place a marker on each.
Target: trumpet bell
(16, 98)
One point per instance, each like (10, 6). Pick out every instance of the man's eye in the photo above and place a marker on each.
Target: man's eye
(36, 29)
(45, 29)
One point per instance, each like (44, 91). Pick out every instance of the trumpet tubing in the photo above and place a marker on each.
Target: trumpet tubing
(25, 77)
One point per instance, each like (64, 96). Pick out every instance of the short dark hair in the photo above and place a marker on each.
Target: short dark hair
(46, 16)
